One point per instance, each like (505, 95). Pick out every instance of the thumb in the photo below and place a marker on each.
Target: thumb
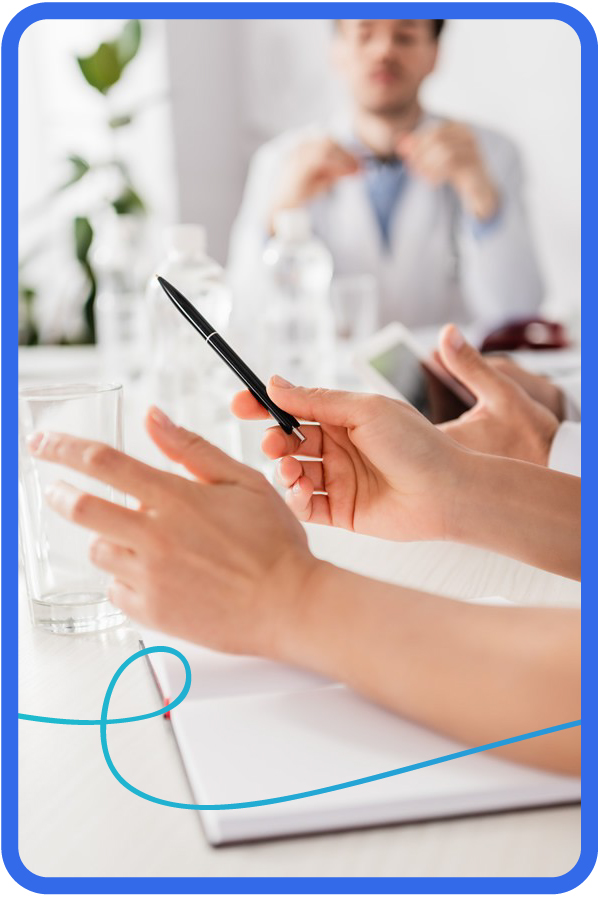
(342, 408)
(202, 459)
(467, 365)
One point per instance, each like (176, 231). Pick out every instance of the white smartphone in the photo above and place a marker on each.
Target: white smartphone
(394, 363)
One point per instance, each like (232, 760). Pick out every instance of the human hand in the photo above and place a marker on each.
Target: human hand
(448, 154)
(506, 420)
(376, 465)
(218, 559)
(310, 169)
(538, 387)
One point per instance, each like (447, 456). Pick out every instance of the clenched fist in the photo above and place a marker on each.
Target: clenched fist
(448, 154)
(310, 169)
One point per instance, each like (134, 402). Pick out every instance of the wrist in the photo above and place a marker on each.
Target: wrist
(456, 502)
(299, 583)
(478, 194)
(312, 619)
(474, 487)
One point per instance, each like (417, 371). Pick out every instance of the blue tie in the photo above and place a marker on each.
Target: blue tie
(384, 179)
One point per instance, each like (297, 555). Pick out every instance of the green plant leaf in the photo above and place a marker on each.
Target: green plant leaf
(102, 69)
(28, 332)
(129, 202)
(120, 121)
(89, 322)
(83, 234)
(128, 42)
(123, 168)
(80, 167)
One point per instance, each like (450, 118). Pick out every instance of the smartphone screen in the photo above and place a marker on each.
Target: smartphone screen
(418, 383)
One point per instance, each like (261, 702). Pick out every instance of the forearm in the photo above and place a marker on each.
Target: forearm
(478, 194)
(476, 673)
(501, 277)
(528, 512)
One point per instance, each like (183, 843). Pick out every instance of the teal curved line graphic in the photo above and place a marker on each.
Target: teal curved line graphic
(103, 721)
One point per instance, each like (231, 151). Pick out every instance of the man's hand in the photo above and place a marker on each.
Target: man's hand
(506, 420)
(448, 154)
(310, 169)
(375, 465)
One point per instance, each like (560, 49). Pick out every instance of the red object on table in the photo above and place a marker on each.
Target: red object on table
(526, 334)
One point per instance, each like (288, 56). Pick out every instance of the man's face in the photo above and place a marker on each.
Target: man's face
(384, 61)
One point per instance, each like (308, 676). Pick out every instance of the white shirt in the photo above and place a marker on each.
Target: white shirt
(565, 451)
(440, 266)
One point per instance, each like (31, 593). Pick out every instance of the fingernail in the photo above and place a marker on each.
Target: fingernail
(296, 488)
(278, 381)
(36, 441)
(51, 493)
(456, 338)
(160, 418)
(61, 496)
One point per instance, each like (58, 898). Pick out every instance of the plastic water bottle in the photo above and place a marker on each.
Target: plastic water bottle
(298, 322)
(189, 381)
(121, 327)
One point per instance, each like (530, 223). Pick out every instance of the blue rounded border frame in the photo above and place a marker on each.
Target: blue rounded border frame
(589, 215)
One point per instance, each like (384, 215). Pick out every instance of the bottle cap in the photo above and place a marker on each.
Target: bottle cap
(186, 239)
(293, 225)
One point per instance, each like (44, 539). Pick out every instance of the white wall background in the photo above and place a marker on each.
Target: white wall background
(236, 84)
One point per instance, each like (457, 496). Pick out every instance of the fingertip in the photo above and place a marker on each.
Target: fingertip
(237, 403)
(455, 338)
(303, 486)
(35, 442)
(289, 469)
(245, 406)
(299, 496)
(156, 418)
(277, 381)
(450, 339)
(273, 443)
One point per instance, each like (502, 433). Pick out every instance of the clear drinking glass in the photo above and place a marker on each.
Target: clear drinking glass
(355, 304)
(67, 594)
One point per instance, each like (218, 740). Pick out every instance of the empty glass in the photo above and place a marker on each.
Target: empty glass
(67, 594)
(355, 303)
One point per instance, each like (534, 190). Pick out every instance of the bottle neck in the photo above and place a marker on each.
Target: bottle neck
(184, 256)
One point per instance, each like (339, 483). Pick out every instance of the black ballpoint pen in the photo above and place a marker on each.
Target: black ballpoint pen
(237, 365)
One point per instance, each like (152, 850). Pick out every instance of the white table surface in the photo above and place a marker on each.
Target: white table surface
(75, 819)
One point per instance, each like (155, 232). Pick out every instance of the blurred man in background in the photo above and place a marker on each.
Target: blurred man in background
(433, 208)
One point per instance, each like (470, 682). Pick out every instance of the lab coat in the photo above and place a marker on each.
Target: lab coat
(440, 266)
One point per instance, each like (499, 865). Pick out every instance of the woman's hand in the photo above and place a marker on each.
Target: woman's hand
(218, 560)
(376, 466)
(506, 419)
(539, 388)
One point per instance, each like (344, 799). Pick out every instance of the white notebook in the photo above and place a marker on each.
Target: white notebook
(251, 729)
